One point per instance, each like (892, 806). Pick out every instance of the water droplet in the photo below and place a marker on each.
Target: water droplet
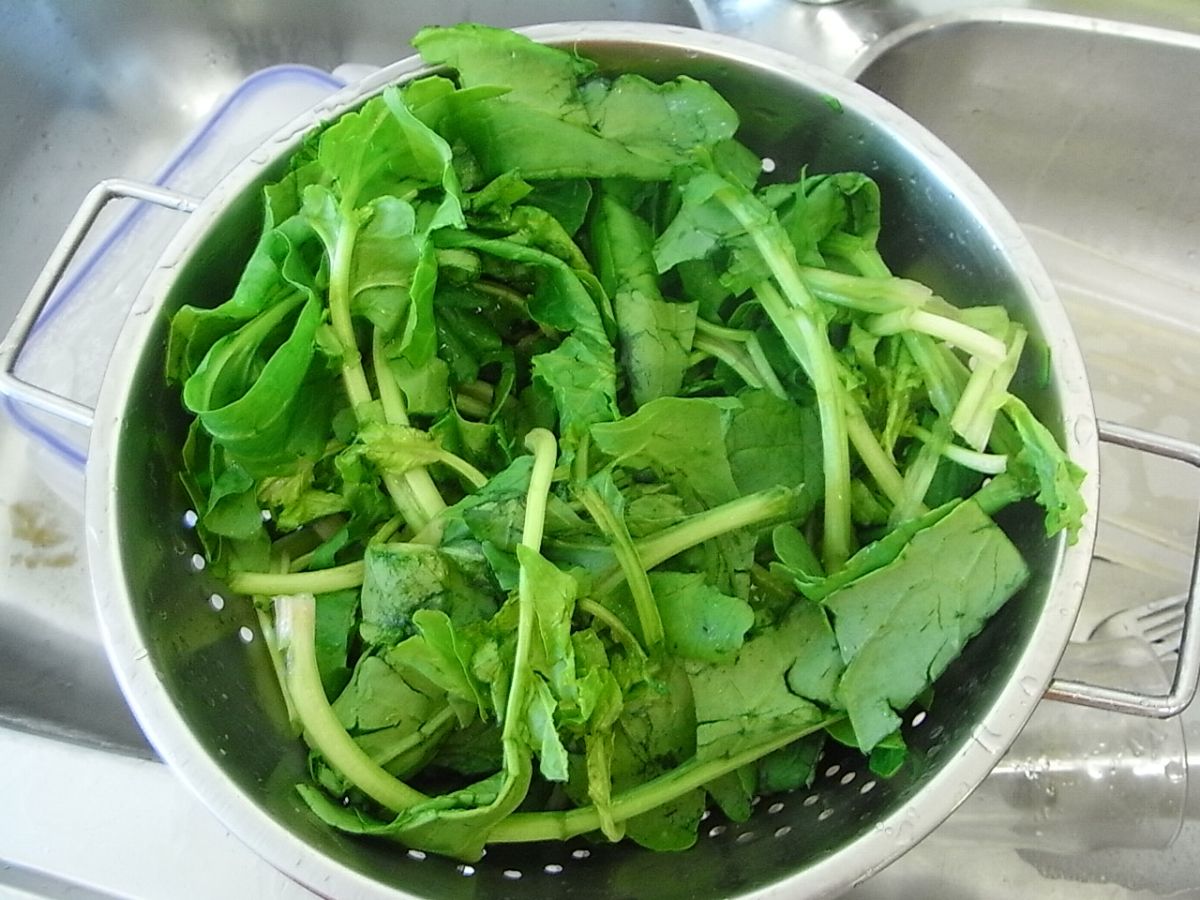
(989, 740)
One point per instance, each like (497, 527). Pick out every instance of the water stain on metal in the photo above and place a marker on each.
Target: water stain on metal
(49, 545)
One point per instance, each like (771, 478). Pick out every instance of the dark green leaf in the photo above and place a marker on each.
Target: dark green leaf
(700, 622)
(337, 613)
(402, 579)
(898, 627)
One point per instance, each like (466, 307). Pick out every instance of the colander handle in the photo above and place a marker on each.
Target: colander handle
(11, 384)
(1187, 669)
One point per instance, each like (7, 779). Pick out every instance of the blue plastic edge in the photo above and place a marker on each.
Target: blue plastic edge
(161, 178)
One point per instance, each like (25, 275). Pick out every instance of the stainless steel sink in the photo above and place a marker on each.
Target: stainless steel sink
(1086, 129)
(1082, 115)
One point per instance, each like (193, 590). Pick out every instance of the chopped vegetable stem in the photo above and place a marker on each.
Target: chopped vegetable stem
(548, 826)
(320, 581)
(296, 615)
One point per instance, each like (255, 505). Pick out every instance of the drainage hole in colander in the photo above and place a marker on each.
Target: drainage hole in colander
(197, 562)
(774, 808)
(768, 164)
(190, 519)
(936, 732)
(745, 837)
(918, 719)
(512, 874)
(552, 869)
(416, 854)
(716, 831)
(810, 799)
(245, 634)
(466, 870)
(847, 778)
(217, 602)
(783, 831)
(824, 814)
(832, 770)
(581, 853)
(867, 787)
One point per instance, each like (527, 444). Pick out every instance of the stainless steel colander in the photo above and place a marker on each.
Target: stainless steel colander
(195, 668)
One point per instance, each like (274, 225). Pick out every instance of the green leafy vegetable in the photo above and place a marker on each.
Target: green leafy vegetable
(899, 626)
(581, 479)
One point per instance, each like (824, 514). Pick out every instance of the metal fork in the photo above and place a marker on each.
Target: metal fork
(1159, 623)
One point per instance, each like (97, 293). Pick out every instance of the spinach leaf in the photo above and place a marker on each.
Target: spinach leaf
(655, 335)
(252, 406)
(772, 441)
(899, 626)
(336, 614)
(541, 77)
(699, 621)
(683, 439)
(402, 579)
(748, 701)
(282, 263)
(377, 697)
(1057, 477)
(661, 121)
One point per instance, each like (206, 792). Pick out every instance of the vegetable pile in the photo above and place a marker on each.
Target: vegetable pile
(581, 479)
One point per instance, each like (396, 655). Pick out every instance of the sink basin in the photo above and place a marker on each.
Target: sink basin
(1086, 129)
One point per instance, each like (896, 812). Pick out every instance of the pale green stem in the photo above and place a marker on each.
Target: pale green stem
(547, 826)
(631, 564)
(985, 463)
(544, 447)
(353, 376)
(322, 581)
(878, 463)
(421, 499)
(805, 340)
(741, 513)
(613, 623)
(296, 618)
(970, 340)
